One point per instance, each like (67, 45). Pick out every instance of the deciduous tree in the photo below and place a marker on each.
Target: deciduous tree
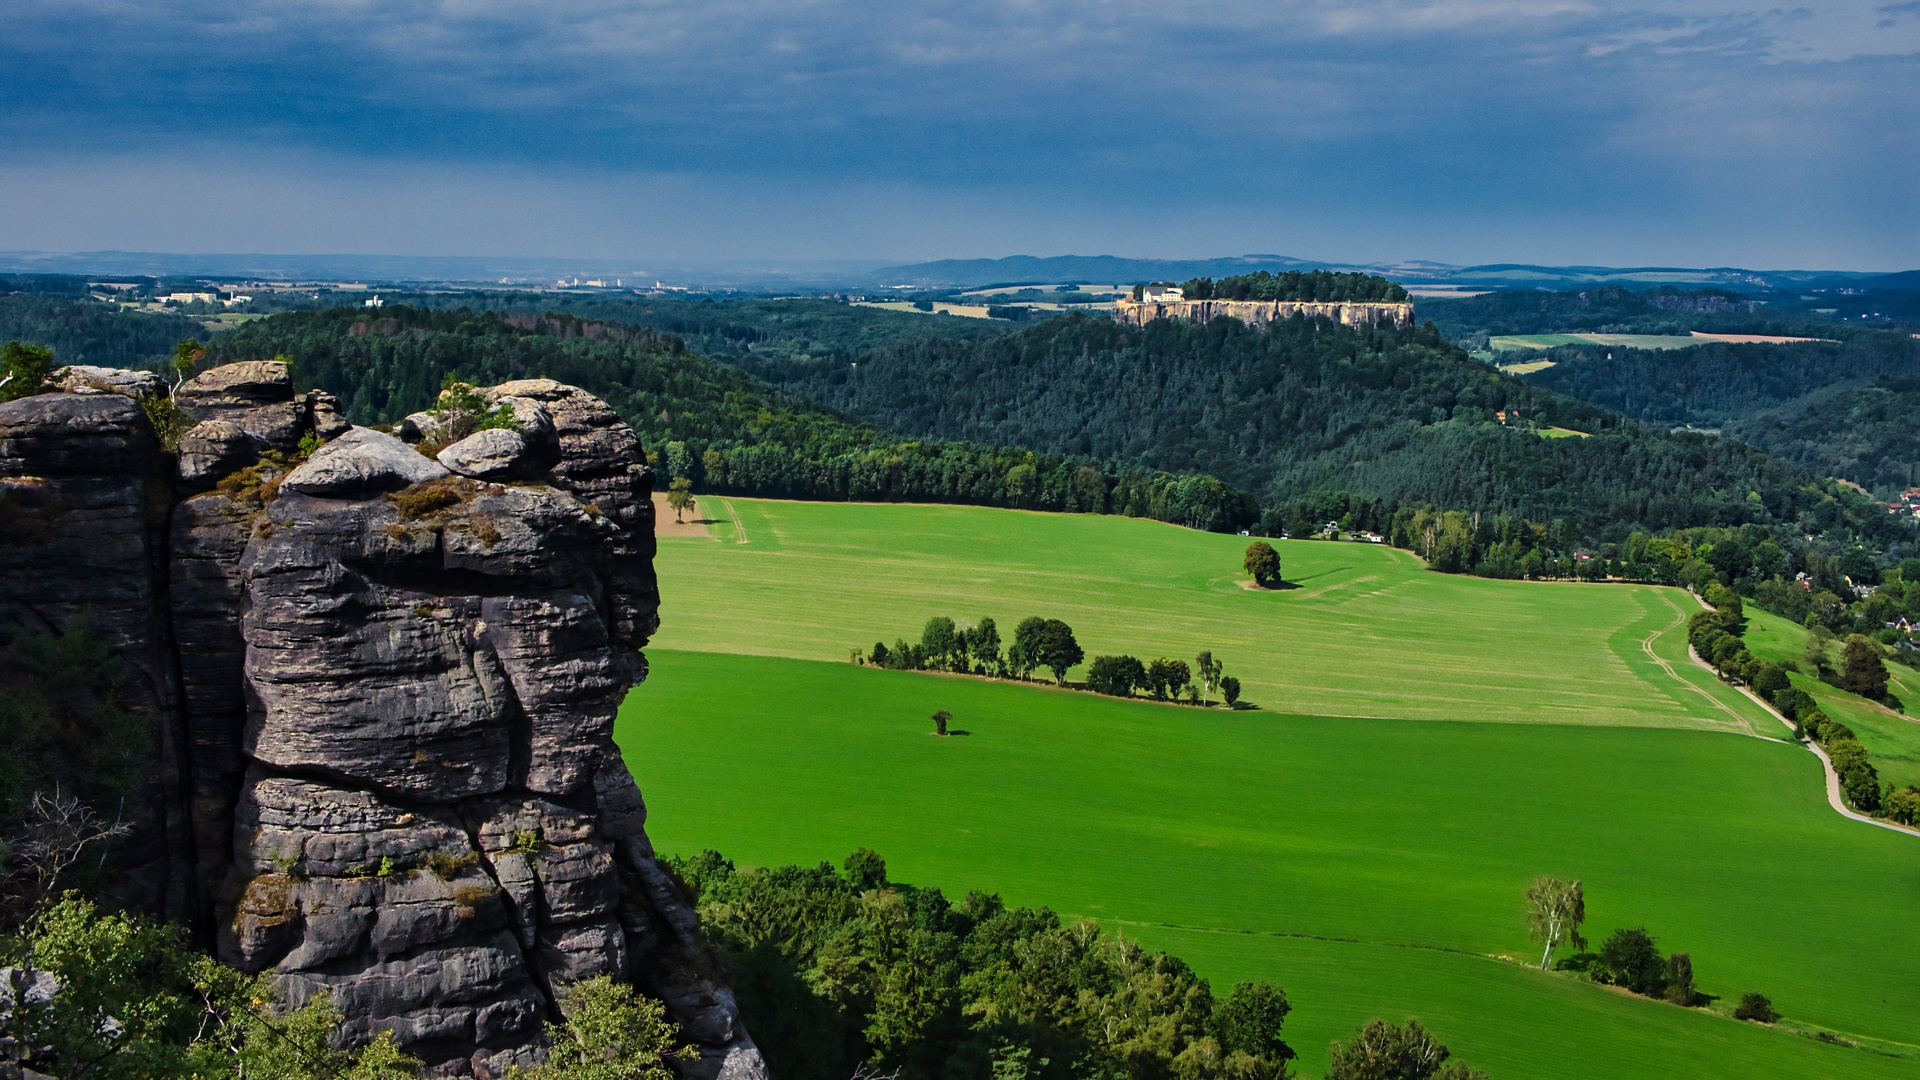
(1555, 910)
(1263, 562)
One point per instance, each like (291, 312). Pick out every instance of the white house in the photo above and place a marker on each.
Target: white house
(1160, 292)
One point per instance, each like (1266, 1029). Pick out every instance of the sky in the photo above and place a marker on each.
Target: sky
(1599, 132)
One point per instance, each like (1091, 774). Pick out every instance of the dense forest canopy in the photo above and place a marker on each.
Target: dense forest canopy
(1317, 286)
(714, 424)
(1614, 309)
(85, 331)
(1866, 432)
(1306, 409)
(1713, 383)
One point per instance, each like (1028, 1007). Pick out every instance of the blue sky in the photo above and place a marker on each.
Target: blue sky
(1689, 132)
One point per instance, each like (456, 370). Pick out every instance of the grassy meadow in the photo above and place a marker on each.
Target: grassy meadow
(1370, 866)
(1425, 746)
(1363, 629)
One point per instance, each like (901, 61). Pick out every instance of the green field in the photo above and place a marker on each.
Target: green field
(1367, 632)
(1351, 840)
(1629, 341)
(1891, 738)
(1411, 840)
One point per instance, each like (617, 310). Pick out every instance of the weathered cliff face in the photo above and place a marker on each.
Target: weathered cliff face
(394, 773)
(1262, 312)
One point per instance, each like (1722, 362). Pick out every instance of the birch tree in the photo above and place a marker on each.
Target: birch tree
(1555, 910)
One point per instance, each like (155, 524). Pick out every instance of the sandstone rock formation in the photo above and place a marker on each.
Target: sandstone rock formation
(383, 698)
(1262, 312)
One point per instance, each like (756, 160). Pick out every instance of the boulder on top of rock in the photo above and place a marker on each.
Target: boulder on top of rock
(421, 427)
(255, 394)
(493, 454)
(212, 449)
(324, 410)
(361, 462)
(87, 379)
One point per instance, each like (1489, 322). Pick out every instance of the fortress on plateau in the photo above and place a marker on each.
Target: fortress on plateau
(1260, 312)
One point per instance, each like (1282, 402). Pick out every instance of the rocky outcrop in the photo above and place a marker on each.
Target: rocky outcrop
(1262, 312)
(387, 688)
(84, 504)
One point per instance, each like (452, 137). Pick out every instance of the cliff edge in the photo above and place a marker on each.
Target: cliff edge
(381, 688)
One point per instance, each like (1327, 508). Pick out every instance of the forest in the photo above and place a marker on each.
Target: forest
(1710, 384)
(84, 331)
(1307, 409)
(1615, 309)
(1318, 286)
(718, 426)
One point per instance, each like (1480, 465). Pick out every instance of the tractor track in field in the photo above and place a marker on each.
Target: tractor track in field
(1646, 646)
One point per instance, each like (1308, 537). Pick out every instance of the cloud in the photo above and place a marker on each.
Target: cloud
(1401, 108)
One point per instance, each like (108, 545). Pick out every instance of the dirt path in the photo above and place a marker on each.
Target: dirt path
(1834, 798)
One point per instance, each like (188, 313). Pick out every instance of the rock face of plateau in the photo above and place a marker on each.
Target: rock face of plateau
(381, 688)
(1262, 312)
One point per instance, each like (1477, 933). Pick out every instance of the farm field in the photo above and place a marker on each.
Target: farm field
(1394, 849)
(1368, 631)
(1892, 740)
(1630, 341)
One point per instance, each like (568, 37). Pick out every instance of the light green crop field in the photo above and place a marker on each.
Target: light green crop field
(1427, 744)
(1891, 739)
(1630, 341)
(1369, 866)
(1368, 631)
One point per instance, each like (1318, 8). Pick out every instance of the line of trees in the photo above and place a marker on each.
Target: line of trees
(1164, 679)
(976, 650)
(1038, 643)
(1716, 637)
(1315, 286)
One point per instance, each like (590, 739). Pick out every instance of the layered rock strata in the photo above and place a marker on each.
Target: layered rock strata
(395, 681)
(1262, 312)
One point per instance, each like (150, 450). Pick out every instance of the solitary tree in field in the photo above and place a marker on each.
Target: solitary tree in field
(1263, 563)
(940, 718)
(1555, 910)
(680, 496)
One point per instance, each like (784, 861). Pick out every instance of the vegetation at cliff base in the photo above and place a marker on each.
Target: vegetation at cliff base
(1257, 845)
(843, 970)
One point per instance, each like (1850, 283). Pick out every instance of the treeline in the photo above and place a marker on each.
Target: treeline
(1049, 643)
(719, 427)
(975, 650)
(1317, 286)
(1616, 309)
(843, 972)
(1304, 408)
(1716, 382)
(86, 331)
(1717, 637)
(1845, 538)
